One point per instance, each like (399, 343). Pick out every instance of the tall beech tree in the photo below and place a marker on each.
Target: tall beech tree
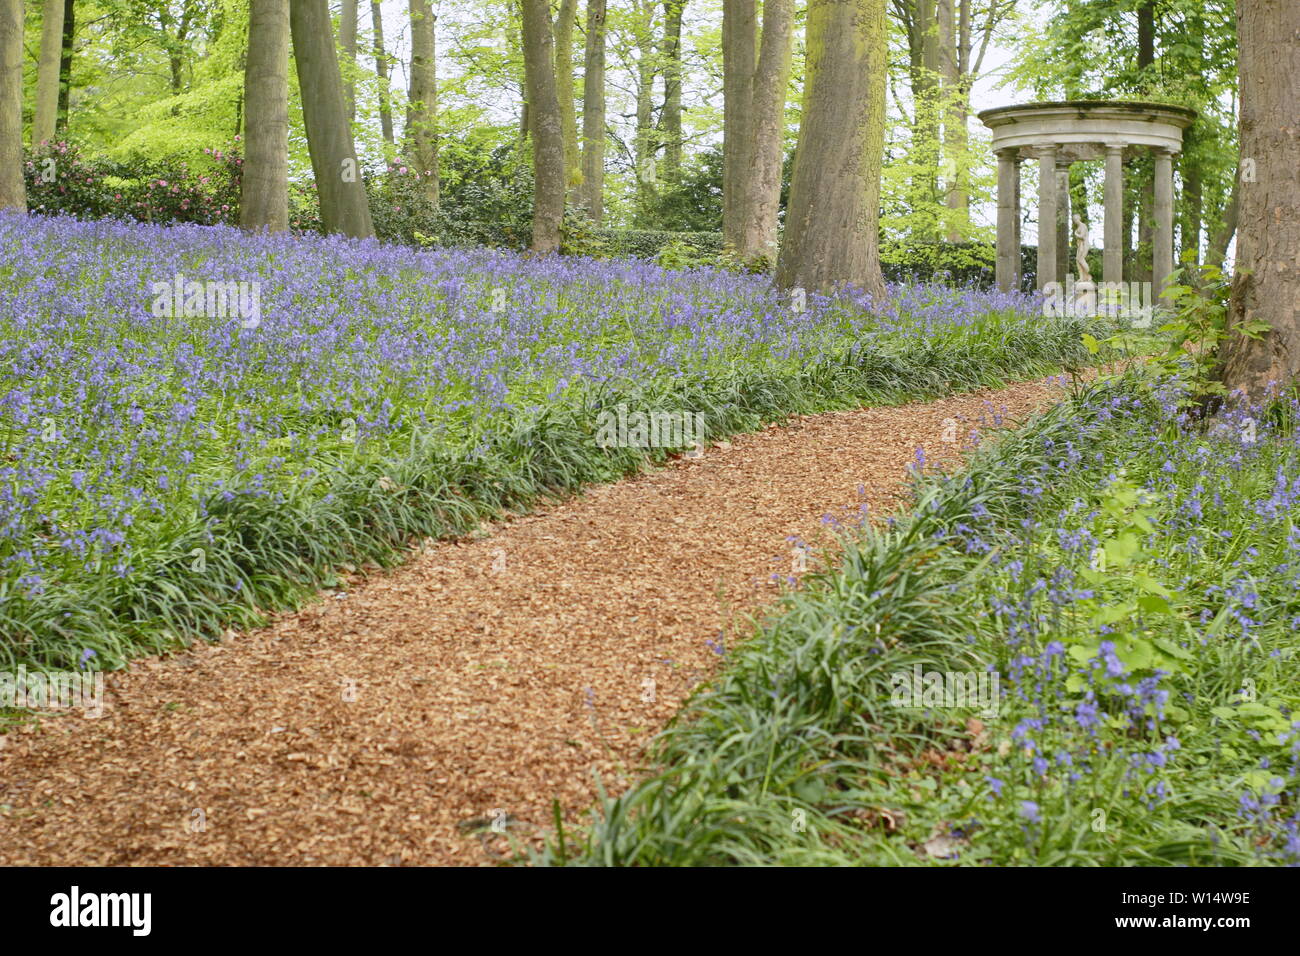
(739, 60)
(13, 191)
(343, 204)
(1266, 282)
(564, 89)
(381, 70)
(422, 116)
(761, 186)
(45, 117)
(671, 114)
(65, 62)
(264, 189)
(546, 125)
(591, 193)
(831, 232)
(348, 44)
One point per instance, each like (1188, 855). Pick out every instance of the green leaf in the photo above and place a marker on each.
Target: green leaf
(1153, 604)
(1173, 650)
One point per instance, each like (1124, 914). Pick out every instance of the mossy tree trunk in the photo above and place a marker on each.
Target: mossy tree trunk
(13, 191)
(761, 187)
(422, 120)
(47, 73)
(546, 125)
(264, 190)
(832, 223)
(1266, 283)
(592, 191)
(344, 207)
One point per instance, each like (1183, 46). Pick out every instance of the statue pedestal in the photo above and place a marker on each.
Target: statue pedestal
(1085, 298)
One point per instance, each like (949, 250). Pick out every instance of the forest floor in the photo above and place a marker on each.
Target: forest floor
(395, 719)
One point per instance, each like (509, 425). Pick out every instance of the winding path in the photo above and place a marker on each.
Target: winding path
(386, 724)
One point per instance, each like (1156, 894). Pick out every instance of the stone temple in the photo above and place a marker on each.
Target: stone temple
(1059, 134)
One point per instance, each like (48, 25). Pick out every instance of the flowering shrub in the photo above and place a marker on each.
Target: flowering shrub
(60, 180)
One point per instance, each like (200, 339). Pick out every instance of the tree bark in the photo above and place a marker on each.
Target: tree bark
(926, 128)
(13, 191)
(381, 70)
(65, 63)
(592, 192)
(422, 121)
(761, 188)
(1217, 250)
(953, 32)
(348, 44)
(739, 59)
(672, 110)
(343, 204)
(564, 90)
(832, 223)
(1266, 283)
(645, 144)
(1146, 58)
(46, 115)
(264, 191)
(548, 133)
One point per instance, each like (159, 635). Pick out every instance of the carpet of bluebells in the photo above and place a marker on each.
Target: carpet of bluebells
(1130, 573)
(162, 474)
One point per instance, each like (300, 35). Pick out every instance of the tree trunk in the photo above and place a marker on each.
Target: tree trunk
(1266, 283)
(1192, 205)
(47, 73)
(343, 204)
(264, 192)
(739, 59)
(1217, 250)
(954, 30)
(65, 64)
(645, 145)
(761, 188)
(832, 223)
(548, 133)
(422, 121)
(564, 90)
(592, 193)
(672, 111)
(13, 191)
(381, 70)
(1146, 58)
(348, 44)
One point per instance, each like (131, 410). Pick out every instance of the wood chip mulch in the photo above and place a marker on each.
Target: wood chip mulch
(411, 717)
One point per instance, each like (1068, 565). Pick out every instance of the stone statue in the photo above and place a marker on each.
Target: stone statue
(1081, 248)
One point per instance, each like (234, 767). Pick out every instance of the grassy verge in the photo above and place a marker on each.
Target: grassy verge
(1129, 579)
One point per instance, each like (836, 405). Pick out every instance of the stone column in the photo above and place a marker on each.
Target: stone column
(1008, 258)
(1162, 252)
(1047, 216)
(1113, 250)
(1017, 262)
(1063, 229)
